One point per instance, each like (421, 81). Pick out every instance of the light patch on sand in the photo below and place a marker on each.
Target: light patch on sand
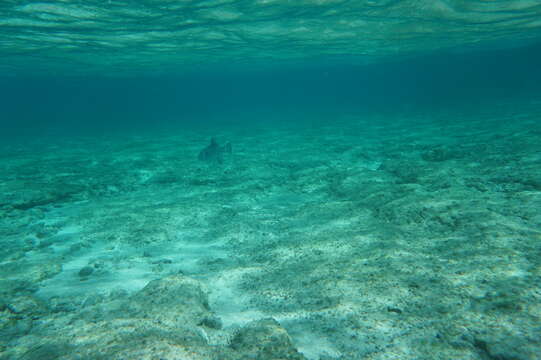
(315, 347)
(64, 10)
(312, 346)
(229, 302)
(222, 14)
(69, 283)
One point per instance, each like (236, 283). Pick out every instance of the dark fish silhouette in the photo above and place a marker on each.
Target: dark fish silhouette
(214, 152)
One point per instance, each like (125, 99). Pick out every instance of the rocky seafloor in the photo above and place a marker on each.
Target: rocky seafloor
(391, 236)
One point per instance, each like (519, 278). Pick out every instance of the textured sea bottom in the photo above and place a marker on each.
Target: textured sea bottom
(390, 236)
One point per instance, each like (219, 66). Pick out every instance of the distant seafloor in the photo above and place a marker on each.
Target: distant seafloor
(53, 105)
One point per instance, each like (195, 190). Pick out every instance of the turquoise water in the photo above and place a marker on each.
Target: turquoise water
(270, 180)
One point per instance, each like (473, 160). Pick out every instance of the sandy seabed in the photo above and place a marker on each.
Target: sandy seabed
(390, 236)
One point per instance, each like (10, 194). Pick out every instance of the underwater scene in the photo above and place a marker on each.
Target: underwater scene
(270, 180)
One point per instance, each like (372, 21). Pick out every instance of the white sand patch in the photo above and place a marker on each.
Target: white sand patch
(229, 302)
(187, 254)
(130, 276)
(313, 346)
(118, 267)
(70, 230)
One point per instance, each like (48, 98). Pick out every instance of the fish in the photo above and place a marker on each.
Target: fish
(214, 153)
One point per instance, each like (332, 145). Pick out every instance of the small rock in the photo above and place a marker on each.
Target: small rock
(212, 322)
(262, 337)
(163, 261)
(86, 271)
(75, 247)
(118, 294)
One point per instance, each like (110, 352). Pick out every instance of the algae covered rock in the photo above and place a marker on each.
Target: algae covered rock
(264, 339)
(170, 318)
(176, 292)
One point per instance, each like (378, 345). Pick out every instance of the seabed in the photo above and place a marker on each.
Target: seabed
(410, 235)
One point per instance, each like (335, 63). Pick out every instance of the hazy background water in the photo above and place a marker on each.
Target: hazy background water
(224, 95)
